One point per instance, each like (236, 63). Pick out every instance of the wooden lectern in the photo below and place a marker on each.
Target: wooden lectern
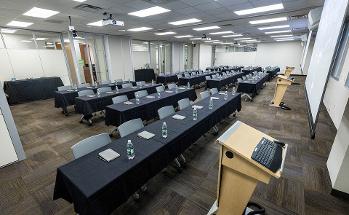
(282, 82)
(288, 71)
(238, 172)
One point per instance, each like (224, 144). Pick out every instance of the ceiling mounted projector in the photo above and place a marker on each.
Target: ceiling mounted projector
(205, 38)
(111, 21)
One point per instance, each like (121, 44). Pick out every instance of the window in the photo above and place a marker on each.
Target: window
(340, 53)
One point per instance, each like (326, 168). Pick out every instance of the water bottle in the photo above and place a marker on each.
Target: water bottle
(176, 89)
(130, 150)
(159, 95)
(164, 130)
(210, 105)
(188, 85)
(116, 88)
(226, 95)
(98, 94)
(137, 100)
(195, 114)
(234, 91)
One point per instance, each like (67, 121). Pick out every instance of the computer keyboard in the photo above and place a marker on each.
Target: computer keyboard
(268, 154)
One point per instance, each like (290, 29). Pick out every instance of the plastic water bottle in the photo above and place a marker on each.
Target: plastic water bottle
(159, 95)
(210, 105)
(226, 95)
(176, 89)
(195, 114)
(98, 94)
(164, 130)
(130, 150)
(137, 100)
(188, 85)
(234, 91)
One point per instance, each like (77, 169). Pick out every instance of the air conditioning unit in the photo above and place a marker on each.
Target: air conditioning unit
(314, 17)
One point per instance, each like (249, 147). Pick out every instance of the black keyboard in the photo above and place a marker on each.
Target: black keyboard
(269, 154)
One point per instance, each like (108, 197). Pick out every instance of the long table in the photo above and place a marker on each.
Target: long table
(272, 71)
(21, 91)
(167, 78)
(97, 187)
(116, 114)
(194, 80)
(66, 98)
(87, 105)
(253, 86)
(221, 82)
(248, 70)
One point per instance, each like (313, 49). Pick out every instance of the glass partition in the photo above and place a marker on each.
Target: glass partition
(140, 54)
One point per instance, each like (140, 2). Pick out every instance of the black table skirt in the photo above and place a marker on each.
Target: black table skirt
(22, 91)
(167, 79)
(96, 187)
(252, 87)
(273, 72)
(144, 75)
(117, 114)
(220, 83)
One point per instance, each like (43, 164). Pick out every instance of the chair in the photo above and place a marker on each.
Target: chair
(140, 83)
(166, 111)
(127, 85)
(186, 75)
(205, 94)
(85, 93)
(119, 80)
(207, 77)
(63, 88)
(172, 86)
(130, 126)
(160, 89)
(105, 82)
(119, 99)
(141, 93)
(103, 89)
(213, 91)
(183, 103)
(179, 76)
(239, 79)
(90, 144)
(83, 85)
(214, 76)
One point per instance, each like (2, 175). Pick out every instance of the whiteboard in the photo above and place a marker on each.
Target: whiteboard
(331, 22)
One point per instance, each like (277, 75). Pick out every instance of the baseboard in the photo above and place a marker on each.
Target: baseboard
(339, 194)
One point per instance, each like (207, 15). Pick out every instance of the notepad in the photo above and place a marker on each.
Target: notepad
(110, 92)
(108, 155)
(198, 107)
(216, 98)
(91, 96)
(146, 135)
(71, 90)
(151, 97)
(181, 88)
(169, 91)
(128, 103)
(178, 117)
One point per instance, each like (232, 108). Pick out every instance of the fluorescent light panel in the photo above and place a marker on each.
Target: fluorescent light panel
(183, 36)
(282, 35)
(8, 31)
(39, 39)
(40, 13)
(284, 39)
(221, 32)
(19, 24)
(262, 21)
(97, 23)
(233, 35)
(196, 38)
(243, 38)
(149, 11)
(206, 28)
(165, 33)
(80, 0)
(260, 9)
(278, 32)
(185, 21)
(26, 41)
(139, 29)
(274, 27)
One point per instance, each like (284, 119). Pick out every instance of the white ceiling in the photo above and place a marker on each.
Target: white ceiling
(211, 12)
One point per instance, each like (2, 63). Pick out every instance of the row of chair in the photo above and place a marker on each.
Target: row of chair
(125, 85)
(208, 93)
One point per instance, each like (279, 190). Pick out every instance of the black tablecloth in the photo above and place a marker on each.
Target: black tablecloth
(166, 79)
(88, 105)
(97, 187)
(27, 90)
(250, 70)
(65, 98)
(272, 72)
(117, 114)
(252, 87)
(144, 75)
(219, 83)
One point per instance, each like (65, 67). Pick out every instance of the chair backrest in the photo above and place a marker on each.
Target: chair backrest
(130, 126)
(160, 89)
(208, 77)
(214, 76)
(205, 94)
(214, 91)
(172, 86)
(85, 92)
(84, 85)
(105, 82)
(127, 85)
(166, 111)
(103, 89)
(140, 83)
(119, 99)
(239, 79)
(63, 88)
(119, 80)
(179, 76)
(186, 75)
(90, 144)
(183, 103)
(141, 93)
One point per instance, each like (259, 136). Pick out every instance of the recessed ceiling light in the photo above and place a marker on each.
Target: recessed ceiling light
(19, 24)
(282, 35)
(98, 23)
(250, 41)
(222, 32)
(139, 29)
(211, 41)
(243, 38)
(206, 28)
(8, 31)
(284, 39)
(233, 35)
(80, 0)
(39, 38)
(149, 11)
(185, 21)
(274, 27)
(40, 13)
(26, 41)
(278, 32)
(183, 36)
(165, 33)
(262, 21)
(122, 30)
(260, 9)
(196, 38)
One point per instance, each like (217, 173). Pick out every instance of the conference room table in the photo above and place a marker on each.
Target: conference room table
(87, 105)
(197, 79)
(96, 187)
(26, 90)
(272, 71)
(116, 114)
(248, 70)
(224, 81)
(168, 78)
(253, 86)
(66, 98)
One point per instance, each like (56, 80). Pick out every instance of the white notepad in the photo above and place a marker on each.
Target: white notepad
(181, 88)
(108, 155)
(179, 117)
(146, 135)
(216, 98)
(198, 107)
(221, 93)
(91, 96)
(151, 97)
(128, 103)
(110, 92)
(169, 91)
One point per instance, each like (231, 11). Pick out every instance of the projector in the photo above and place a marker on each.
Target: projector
(114, 22)
(205, 38)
